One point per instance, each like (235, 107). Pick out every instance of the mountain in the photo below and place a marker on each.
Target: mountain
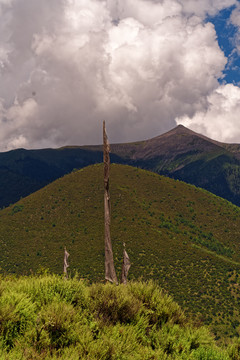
(191, 157)
(183, 237)
(180, 153)
(23, 172)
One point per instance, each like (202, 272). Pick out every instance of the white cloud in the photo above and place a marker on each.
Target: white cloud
(221, 119)
(18, 121)
(235, 16)
(69, 64)
(203, 7)
(148, 13)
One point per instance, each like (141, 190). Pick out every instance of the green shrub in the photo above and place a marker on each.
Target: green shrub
(17, 313)
(48, 317)
(56, 326)
(17, 208)
(234, 350)
(158, 306)
(211, 353)
(113, 304)
(45, 289)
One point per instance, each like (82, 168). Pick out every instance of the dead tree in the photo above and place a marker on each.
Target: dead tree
(65, 263)
(125, 266)
(110, 273)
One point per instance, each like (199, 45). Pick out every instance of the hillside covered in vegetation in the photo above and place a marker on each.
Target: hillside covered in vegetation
(179, 153)
(47, 317)
(184, 238)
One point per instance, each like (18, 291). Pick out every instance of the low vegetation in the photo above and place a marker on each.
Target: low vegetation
(184, 238)
(48, 317)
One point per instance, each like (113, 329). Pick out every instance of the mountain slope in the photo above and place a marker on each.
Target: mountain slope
(179, 140)
(180, 153)
(185, 238)
(191, 157)
(22, 172)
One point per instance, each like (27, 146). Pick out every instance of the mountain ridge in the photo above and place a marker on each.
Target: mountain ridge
(179, 153)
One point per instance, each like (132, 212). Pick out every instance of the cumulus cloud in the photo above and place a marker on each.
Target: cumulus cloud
(221, 119)
(235, 16)
(206, 7)
(65, 65)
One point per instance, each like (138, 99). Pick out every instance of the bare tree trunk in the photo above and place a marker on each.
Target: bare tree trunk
(125, 266)
(65, 263)
(110, 273)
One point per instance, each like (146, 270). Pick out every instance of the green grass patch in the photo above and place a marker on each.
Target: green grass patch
(48, 317)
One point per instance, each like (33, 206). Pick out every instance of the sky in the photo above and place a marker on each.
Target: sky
(143, 66)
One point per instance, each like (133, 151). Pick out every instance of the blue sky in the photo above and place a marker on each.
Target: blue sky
(226, 34)
(143, 66)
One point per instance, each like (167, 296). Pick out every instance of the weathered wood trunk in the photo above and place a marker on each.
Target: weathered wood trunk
(125, 266)
(110, 273)
(65, 263)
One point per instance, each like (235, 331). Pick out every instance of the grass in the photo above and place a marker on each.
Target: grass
(224, 258)
(47, 317)
(184, 238)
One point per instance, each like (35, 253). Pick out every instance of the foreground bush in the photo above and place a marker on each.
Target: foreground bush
(47, 317)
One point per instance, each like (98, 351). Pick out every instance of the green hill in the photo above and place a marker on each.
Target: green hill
(180, 154)
(23, 172)
(183, 237)
(47, 318)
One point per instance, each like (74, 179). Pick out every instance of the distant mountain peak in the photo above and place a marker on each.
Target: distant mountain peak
(180, 126)
(181, 129)
(177, 130)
